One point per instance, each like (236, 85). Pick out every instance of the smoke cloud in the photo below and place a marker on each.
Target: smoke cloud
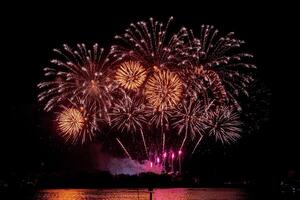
(115, 166)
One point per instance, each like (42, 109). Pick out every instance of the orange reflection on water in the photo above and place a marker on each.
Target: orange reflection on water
(199, 194)
(143, 194)
(63, 194)
(93, 194)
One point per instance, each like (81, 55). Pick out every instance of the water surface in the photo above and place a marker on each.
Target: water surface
(143, 194)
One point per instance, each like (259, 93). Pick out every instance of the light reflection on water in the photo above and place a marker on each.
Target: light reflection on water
(142, 194)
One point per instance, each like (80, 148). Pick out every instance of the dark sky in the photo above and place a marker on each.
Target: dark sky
(32, 31)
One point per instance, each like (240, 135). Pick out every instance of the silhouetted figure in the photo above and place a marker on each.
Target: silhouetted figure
(150, 189)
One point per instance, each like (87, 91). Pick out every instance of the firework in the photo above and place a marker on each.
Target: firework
(160, 119)
(224, 125)
(152, 78)
(179, 160)
(217, 60)
(77, 73)
(207, 85)
(197, 144)
(130, 75)
(188, 118)
(123, 147)
(77, 123)
(128, 114)
(164, 90)
(70, 121)
(151, 44)
(172, 162)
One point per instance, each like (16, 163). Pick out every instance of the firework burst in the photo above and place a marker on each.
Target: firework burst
(216, 59)
(163, 90)
(130, 75)
(77, 73)
(224, 124)
(152, 78)
(77, 123)
(150, 43)
(207, 85)
(128, 114)
(188, 119)
(70, 121)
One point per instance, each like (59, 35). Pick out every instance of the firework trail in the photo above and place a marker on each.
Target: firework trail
(160, 119)
(123, 147)
(197, 144)
(179, 160)
(172, 162)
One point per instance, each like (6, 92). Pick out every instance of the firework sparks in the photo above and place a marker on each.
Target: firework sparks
(164, 90)
(224, 125)
(208, 80)
(80, 73)
(70, 121)
(150, 43)
(151, 78)
(188, 118)
(77, 124)
(160, 119)
(213, 58)
(128, 114)
(131, 75)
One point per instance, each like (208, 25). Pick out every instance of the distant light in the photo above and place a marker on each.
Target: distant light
(151, 164)
(165, 155)
(173, 155)
(158, 160)
(179, 152)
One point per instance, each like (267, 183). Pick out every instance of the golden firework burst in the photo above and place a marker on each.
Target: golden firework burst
(164, 89)
(70, 122)
(131, 75)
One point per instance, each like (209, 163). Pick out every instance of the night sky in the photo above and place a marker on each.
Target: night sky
(28, 142)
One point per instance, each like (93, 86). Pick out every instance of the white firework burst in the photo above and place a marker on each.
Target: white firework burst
(77, 73)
